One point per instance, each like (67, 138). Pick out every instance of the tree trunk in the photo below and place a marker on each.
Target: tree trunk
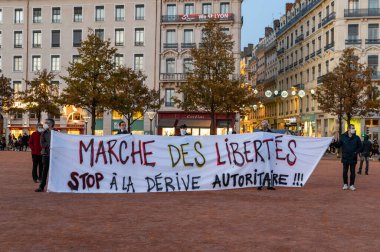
(349, 117)
(340, 120)
(129, 124)
(38, 117)
(93, 120)
(228, 122)
(212, 130)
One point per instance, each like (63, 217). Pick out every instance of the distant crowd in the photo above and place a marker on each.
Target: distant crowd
(20, 143)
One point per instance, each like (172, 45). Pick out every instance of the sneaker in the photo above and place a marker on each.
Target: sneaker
(352, 188)
(259, 188)
(345, 187)
(359, 172)
(271, 188)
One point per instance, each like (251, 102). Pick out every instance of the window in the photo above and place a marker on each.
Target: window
(1, 64)
(55, 38)
(170, 65)
(188, 65)
(55, 63)
(140, 12)
(206, 8)
(119, 37)
(56, 15)
(1, 15)
(139, 62)
(36, 63)
(189, 9)
(170, 37)
(119, 59)
(18, 39)
(17, 63)
(319, 70)
(37, 38)
(373, 62)
(169, 94)
(224, 7)
(17, 87)
(313, 73)
(99, 13)
(100, 33)
(226, 31)
(78, 17)
(1, 39)
(119, 13)
(139, 36)
(373, 4)
(188, 36)
(171, 9)
(373, 31)
(19, 16)
(353, 31)
(76, 59)
(77, 38)
(37, 15)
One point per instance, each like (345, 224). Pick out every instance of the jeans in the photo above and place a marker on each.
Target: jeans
(45, 163)
(37, 162)
(352, 173)
(361, 163)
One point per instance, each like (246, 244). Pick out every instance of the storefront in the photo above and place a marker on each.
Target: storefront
(308, 125)
(198, 124)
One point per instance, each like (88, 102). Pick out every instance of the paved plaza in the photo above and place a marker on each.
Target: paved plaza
(319, 217)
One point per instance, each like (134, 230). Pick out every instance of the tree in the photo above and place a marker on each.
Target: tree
(347, 91)
(88, 79)
(41, 95)
(210, 86)
(131, 96)
(6, 94)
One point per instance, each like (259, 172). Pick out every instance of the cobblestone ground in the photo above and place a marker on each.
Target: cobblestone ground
(319, 217)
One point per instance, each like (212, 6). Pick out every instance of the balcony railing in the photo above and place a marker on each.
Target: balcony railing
(280, 71)
(188, 45)
(319, 51)
(372, 12)
(191, 18)
(304, 11)
(320, 80)
(319, 25)
(295, 63)
(353, 41)
(307, 57)
(329, 46)
(328, 19)
(291, 66)
(170, 45)
(300, 61)
(372, 41)
(312, 55)
(299, 38)
(280, 51)
(173, 76)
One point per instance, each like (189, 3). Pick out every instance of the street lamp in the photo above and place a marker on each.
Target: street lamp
(151, 115)
(86, 121)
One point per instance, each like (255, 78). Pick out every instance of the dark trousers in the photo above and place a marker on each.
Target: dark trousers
(37, 163)
(45, 163)
(361, 164)
(352, 173)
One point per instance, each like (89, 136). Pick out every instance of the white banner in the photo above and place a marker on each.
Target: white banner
(138, 163)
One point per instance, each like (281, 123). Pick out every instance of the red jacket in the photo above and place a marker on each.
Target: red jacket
(34, 143)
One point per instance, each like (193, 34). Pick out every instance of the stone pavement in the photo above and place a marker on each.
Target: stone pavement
(319, 217)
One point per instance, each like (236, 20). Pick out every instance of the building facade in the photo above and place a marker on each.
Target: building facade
(39, 34)
(181, 30)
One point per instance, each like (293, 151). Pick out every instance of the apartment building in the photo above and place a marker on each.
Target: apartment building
(181, 29)
(38, 34)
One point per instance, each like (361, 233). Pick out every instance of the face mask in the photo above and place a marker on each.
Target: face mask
(353, 131)
(183, 132)
(46, 126)
(40, 130)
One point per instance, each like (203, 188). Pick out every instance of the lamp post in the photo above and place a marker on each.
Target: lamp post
(151, 115)
(86, 121)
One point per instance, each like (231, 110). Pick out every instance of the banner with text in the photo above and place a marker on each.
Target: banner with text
(140, 163)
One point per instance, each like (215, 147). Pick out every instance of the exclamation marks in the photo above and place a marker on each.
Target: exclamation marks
(298, 179)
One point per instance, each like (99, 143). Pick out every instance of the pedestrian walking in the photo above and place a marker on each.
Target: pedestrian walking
(364, 155)
(45, 151)
(35, 147)
(122, 128)
(351, 146)
(24, 142)
(375, 148)
(265, 128)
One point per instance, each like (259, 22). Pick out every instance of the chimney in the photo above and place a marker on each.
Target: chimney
(288, 7)
(268, 31)
(276, 24)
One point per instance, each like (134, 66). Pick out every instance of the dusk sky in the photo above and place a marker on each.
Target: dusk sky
(258, 14)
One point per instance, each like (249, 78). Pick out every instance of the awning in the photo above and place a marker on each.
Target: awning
(166, 123)
(195, 123)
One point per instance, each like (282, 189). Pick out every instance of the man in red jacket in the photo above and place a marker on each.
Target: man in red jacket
(35, 146)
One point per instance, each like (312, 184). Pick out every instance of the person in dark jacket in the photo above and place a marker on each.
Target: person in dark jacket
(24, 142)
(183, 130)
(265, 128)
(45, 152)
(122, 128)
(351, 146)
(35, 147)
(364, 155)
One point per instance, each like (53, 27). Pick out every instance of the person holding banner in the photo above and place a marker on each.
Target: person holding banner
(183, 130)
(265, 128)
(122, 128)
(351, 146)
(45, 145)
